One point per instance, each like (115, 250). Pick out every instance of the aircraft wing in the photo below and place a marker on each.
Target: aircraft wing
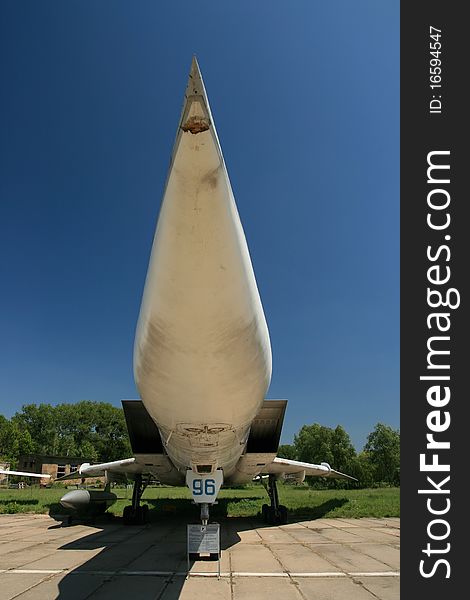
(157, 465)
(24, 474)
(127, 467)
(283, 466)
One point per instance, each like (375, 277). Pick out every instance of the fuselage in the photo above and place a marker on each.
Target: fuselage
(202, 355)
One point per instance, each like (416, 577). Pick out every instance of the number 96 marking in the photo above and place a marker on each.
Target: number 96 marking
(204, 486)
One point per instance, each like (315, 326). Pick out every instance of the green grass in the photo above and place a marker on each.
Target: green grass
(164, 501)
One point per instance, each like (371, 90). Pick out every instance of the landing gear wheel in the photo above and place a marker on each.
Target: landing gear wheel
(145, 513)
(136, 514)
(265, 512)
(272, 517)
(127, 515)
(275, 513)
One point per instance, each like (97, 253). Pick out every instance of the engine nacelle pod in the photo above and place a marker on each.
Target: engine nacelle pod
(90, 502)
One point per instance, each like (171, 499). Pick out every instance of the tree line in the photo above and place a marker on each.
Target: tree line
(377, 464)
(97, 431)
(91, 430)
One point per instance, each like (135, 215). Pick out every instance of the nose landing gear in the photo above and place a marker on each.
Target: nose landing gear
(204, 513)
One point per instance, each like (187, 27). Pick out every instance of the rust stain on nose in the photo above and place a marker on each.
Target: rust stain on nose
(196, 124)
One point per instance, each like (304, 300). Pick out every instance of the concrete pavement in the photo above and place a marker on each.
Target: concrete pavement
(324, 559)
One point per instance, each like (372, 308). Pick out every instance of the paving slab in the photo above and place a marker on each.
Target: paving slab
(349, 523)
(276, 536)
(384, 588)
(24, 555)
(263, 588)
(350, 560)
(231, 535)
(209, 566)
(388, 555)
(11, 584)
(371, 522)
(391, 521)
(324, 523)
(37, 535)
(387, 530)
(15, 546)
(117, 556)
(159, 558)
(59, 559)
(372, 535)
(340, 535)
(64, 587)
(198, 588)
(254, 559)
(315, 524)
(305, 535)
(333, 589)
(141, 587)
(296, 558)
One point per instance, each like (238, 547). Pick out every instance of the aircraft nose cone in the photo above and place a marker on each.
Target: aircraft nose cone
(76, 499)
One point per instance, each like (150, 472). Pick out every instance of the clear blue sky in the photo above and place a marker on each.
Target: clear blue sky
(305, 96)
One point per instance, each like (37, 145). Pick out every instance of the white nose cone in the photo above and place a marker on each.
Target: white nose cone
(202, 352)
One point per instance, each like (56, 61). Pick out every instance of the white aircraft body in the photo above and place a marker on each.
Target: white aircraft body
(202, 358)
(202, 354)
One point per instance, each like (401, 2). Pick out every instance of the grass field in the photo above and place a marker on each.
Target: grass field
(300, 501)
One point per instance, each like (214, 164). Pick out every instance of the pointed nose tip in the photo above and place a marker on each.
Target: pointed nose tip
(195, 85)
(196, 113)
(76, 499)
(195, 71)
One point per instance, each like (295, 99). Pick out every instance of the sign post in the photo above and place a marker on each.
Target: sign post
(204, 539)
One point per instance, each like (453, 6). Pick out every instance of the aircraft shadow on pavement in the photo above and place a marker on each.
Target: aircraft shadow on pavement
(159, 546)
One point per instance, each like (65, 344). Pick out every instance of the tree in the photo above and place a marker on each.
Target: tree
(13, 441)
(40, 421)
(363, 470)
(342, 450)
(317, 443)
(111, 439)
(383, 447)
(287, 451)
(91, 430)
(312, 444)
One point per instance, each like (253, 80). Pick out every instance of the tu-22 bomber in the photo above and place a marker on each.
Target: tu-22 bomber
(202, 353)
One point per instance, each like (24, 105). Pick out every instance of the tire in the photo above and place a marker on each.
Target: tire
(145, 513)
(271, 516)
(127, 515)
(265, 512)
(282, 514)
